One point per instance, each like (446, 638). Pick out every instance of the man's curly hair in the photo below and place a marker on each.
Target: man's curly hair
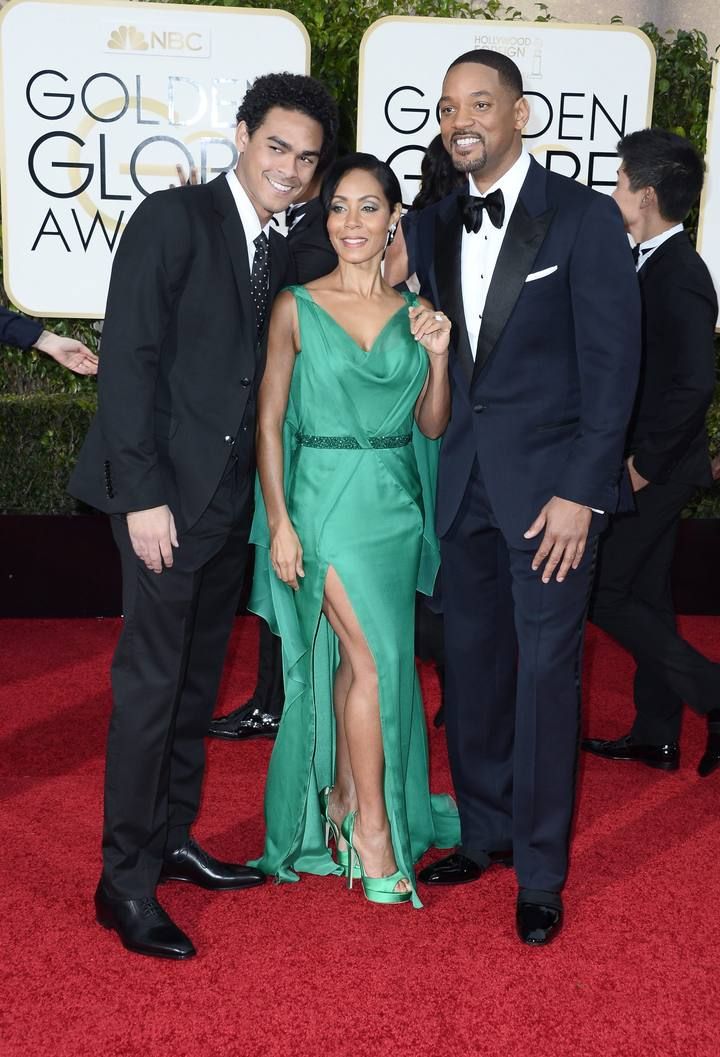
(291, 91)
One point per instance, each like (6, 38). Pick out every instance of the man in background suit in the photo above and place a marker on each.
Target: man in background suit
(659, 180)
(536, 274)
(170, 455)
(311, 256)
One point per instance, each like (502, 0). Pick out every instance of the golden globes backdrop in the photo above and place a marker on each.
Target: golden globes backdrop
(100, 101)
(587, 86)
(708, 241)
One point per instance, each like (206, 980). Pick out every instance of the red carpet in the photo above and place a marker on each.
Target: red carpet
(310, 969)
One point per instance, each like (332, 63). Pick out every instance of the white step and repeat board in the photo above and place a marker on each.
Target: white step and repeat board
(586, 85)
(100, 101)
(708, 242)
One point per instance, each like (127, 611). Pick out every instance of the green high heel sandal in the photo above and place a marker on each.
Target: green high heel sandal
(331, 827)
(376, 889)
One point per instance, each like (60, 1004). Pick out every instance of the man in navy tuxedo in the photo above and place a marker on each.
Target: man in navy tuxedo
(536, 274)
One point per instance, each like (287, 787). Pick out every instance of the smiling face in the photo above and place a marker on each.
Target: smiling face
(360, 217)
(481, 121)
(278, 160)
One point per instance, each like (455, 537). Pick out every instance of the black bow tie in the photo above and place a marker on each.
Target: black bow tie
(471, 209)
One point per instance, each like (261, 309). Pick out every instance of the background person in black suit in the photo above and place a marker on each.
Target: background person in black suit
(536, 274)
(659, 181)
(311, 256)
(171, 455)
(27, 333)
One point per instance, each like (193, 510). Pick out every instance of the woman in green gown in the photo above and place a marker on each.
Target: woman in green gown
(355, 384)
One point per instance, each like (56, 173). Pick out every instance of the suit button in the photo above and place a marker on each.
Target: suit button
(229, 440)
(479, 408)
(244, 382)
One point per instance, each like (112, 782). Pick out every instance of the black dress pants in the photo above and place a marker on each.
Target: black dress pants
(269, 692)
(512, 694)
(632, 601)
(165, 676)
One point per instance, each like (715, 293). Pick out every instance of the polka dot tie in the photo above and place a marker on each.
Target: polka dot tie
(260, 280)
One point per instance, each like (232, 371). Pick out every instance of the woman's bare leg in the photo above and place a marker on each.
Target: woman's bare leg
(363, 733)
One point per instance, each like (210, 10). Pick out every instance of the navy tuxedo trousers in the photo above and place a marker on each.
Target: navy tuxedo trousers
(512, 697)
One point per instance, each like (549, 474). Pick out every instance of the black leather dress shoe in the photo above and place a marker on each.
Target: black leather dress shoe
(457, 869)
(711, 757)
(537, 925)
(663, 757)
(191, 863)
(143, 926)
(244, 723)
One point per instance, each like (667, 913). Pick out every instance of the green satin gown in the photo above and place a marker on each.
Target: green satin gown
(360, 491)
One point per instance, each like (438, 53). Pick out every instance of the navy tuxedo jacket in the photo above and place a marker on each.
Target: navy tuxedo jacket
(180, 361)
(545, 405)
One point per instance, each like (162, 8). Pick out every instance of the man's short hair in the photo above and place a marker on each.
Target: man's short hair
(291, 91)
(508, 72)
(666, 162)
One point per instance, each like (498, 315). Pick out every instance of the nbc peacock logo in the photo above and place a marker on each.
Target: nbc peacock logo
(127, 38)
(185, 40)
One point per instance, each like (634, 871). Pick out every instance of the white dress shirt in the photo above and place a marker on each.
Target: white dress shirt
(648, 248)
(250, 220)
(480, 250)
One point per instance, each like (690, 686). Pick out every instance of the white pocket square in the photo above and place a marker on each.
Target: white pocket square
(541, 275)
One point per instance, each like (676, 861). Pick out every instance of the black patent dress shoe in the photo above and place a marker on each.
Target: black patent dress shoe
(663, 757)
(536, 924)
(711, 757)
(143, 926)
(190, 863)
(457, 869)
(244, 723)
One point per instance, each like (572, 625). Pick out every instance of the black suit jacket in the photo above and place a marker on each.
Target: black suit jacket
(180, 362)
(545, 404)
(310, 248)
(17, 330)
(677, 376)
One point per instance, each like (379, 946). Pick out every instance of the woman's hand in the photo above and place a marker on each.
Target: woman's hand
(286, 555)
(431, 329)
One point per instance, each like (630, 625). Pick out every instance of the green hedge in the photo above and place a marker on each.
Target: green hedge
(45, 410)
(40, 435)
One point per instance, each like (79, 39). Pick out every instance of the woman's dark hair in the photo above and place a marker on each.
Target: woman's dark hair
(368, 163)
(291, 91)
(439, 177)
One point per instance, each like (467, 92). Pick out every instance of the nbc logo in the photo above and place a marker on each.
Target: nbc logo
(157, 39)
(127, 38)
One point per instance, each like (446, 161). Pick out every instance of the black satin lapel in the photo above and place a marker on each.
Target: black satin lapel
(522, 241)
(448, 250)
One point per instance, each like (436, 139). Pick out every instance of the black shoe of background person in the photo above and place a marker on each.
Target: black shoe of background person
(143, 926)
(457, 869)
(247, 721)
(191, 863)
(536, 924)
(662, 757)
(711, 758)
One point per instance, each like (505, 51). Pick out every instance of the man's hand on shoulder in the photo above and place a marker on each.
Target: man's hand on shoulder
(153, 536)
(566, 527)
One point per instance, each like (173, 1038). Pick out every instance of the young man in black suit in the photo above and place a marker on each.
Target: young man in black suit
(311, 256)
(170, 455)
(659, 180)
(536, 274)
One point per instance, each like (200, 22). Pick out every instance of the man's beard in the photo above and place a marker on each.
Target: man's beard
(470, 165)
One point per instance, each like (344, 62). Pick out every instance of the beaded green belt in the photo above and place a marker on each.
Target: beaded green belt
(399, 440)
